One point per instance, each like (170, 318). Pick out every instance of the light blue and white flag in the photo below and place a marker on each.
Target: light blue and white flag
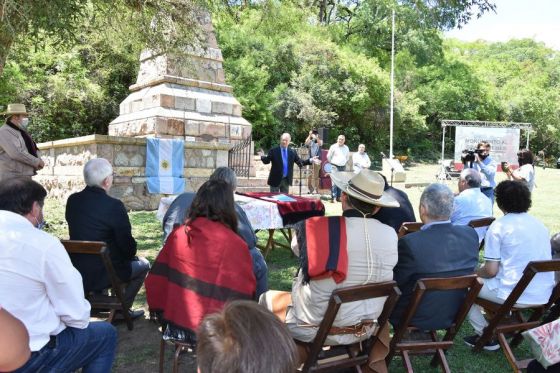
(164, 166)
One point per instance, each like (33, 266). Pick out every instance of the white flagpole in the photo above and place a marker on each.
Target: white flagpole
(392, 86)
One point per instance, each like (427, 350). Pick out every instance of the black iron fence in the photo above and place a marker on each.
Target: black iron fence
(239, 157)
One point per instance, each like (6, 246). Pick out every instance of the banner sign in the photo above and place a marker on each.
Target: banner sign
(504, 142)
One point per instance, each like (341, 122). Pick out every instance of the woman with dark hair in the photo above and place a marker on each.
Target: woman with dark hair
(526, 170)
(203, 264)
(511, 242)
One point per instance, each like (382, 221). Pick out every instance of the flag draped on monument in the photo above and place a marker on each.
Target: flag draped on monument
(164, 166)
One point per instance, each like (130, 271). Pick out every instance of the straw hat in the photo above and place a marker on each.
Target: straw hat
(367, 186)
(15, 109)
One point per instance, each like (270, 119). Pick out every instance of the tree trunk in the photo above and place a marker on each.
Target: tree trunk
(5, 45)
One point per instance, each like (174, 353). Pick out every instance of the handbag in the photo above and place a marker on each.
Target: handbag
(545, 343)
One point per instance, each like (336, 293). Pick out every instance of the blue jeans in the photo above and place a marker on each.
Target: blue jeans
(92, 349)
(335, 191)
(261, 271)
(138, 272)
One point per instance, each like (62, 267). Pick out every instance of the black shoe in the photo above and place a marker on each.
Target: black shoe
(337, 199)
(491, 345)
(134, 314)
(332, 200)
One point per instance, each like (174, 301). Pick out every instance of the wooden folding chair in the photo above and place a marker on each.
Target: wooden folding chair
(479, 223)
(435, 346)
(178, 347)
(355, 355)
(113, 302)
(500, 324)
(409, 227)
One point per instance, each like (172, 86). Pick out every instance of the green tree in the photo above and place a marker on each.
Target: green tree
(161, 24)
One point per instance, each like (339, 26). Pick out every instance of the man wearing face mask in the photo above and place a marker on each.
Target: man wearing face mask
(487, 168)
(40, 287)
(18, 152)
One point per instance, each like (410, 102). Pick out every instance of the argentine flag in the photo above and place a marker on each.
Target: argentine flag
(164, 166)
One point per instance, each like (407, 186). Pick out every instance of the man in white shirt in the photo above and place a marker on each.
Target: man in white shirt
(360, 159)
(338, 156)
(40, 287)
(510, 244)
(471, 203)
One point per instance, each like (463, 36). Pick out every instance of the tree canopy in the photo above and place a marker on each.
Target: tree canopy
(294, 65)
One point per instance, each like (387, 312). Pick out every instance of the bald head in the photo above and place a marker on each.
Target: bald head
(469, 178)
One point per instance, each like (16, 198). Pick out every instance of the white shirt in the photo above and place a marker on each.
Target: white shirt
(310, 301)
(360, 161)
(338, 155)
(515, 240)
(527, 172)
(471, 204)
(38, 284)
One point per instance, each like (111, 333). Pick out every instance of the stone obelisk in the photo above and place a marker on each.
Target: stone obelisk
(183, 97)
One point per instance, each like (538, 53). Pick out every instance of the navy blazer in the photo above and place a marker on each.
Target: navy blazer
(93, 215)
(442, 250)
(274, 156)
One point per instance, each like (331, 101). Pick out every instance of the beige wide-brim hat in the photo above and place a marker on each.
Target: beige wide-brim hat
(367, 186)
(15, 109)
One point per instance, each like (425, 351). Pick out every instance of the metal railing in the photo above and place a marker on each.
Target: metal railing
(239, 157)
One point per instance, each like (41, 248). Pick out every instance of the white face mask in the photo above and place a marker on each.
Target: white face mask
(24, 122)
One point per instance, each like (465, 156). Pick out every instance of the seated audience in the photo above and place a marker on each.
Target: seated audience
(93, 215)
(232, 341)
(555, 247)
(14, 342)
(471, 203)
(175, 216)
(394, 217)
(40, 287)
(511, 242)
(367, 252)
(526, 170)
(203, 264)
(438, 249)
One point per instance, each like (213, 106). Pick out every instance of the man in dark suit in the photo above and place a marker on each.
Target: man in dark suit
(439, 249)
(282, 170)
(394, 217)
(93, 215)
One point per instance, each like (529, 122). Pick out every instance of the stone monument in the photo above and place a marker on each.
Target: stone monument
(174, 97)
(183, 97)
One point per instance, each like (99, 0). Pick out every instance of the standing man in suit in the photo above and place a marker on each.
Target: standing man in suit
(93, 215)
(439, 249)
(282, 170)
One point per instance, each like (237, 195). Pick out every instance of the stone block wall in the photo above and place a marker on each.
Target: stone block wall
(65, 159)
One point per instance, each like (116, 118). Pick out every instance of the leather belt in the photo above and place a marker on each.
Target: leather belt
(358, 329)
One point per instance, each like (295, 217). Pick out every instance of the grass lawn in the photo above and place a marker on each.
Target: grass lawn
(139, 349)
